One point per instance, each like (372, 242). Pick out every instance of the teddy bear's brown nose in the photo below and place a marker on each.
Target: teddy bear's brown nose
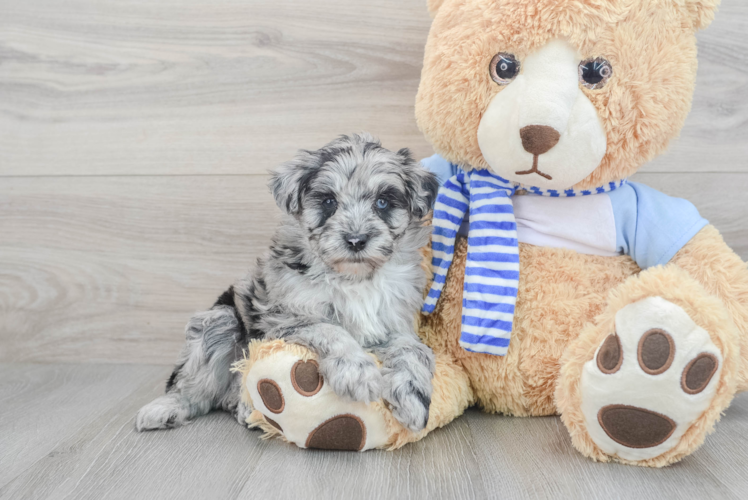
(538, 139)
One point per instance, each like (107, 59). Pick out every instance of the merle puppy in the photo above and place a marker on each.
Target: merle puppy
(343, 276)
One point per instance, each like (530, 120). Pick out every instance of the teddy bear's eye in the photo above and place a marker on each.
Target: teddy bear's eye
(504, 67)
(595, 73)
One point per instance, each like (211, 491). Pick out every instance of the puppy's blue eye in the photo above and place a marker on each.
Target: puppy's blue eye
(382, 203)
(330, 201)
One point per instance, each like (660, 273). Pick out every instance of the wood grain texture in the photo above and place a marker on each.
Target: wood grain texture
(537, 460)
(713, 139)
(720, 199)
(109, 269)
(197, 87)
(442, 465)
(41, 406)
(67, 432)
(102, 456)
(134, 143)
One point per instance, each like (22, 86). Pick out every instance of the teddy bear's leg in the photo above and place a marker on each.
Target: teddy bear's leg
(648, 381)
(722, 273)
(289, 399)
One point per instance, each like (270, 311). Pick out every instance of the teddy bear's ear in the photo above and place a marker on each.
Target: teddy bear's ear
(434, 6)
(700, 12)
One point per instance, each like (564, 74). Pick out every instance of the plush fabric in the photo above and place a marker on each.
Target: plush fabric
(709, 311)
(638, 363)
(651, 45)
(492, 269)
(309, 412)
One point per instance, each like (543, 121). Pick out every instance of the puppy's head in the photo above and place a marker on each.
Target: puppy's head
(354, 199)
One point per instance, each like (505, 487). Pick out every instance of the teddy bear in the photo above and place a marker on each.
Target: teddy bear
(559, 287)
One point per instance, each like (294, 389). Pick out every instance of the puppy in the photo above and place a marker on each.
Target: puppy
(343, 277)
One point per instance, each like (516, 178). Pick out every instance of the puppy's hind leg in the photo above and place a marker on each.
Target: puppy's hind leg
(202, 380)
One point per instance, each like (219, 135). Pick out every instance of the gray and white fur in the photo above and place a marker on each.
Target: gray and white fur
(343, 276)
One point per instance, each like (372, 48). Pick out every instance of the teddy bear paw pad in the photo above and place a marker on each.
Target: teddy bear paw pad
(342, 432)
(292, 396)
(271, 395)
(648, 381)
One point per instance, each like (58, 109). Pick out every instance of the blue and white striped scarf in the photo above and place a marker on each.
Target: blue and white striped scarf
(492, 269)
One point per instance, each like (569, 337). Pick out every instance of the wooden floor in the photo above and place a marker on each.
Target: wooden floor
(68, 433)
(134, 143)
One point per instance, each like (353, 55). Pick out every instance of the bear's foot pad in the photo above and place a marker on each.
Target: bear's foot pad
(271, 395)
(286, 388)
(343, 432)
(635, 427)
(649, 381)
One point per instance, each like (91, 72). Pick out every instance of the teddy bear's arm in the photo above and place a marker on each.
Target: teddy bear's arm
(712, 263)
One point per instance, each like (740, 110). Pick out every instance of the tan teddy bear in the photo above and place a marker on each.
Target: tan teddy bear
(576, 292)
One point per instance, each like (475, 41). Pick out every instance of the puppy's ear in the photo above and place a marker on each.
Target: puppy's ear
(421, 185)
(289, 181)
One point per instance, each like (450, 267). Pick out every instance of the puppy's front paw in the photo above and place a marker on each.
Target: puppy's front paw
(242, 413)
(164, 412)
(410, 400)
(354, 377)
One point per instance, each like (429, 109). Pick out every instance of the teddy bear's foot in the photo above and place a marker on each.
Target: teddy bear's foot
(291, 400)
(649, 380)
(286, 397)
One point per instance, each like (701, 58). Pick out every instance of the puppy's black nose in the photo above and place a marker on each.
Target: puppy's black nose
(356, 242)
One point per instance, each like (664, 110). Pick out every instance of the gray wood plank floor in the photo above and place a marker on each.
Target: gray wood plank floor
(102, 87)
(135, 138)
(67, 432)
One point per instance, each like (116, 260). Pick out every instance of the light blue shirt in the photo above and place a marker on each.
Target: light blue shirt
(650, 227)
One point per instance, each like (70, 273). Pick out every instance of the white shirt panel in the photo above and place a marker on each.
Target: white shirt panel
(585, 224)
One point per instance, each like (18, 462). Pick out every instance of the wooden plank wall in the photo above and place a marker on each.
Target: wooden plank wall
(135, 139)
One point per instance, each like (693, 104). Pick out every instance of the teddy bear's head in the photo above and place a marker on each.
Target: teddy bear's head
(558, 93)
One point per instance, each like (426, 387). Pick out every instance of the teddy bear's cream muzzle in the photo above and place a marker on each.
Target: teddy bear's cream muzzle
(542, 130)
